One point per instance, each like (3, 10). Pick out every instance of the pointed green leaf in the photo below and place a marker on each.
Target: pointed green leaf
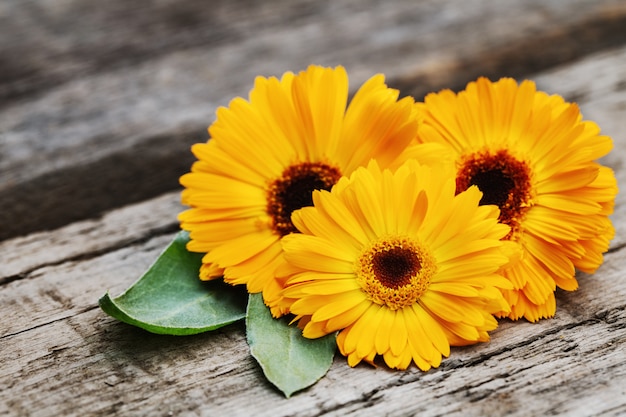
(289, 360)
(170, 298)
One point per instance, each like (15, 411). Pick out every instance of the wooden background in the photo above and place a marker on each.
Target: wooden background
(99, 104)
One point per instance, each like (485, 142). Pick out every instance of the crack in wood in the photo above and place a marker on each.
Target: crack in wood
(167, 228)
(49, 322)
(616, 248)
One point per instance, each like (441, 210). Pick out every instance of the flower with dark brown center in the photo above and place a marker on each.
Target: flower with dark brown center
(266, 156)
(533, 156)
(503, 180)
(397, 263)
(294, 190)
(395, 271)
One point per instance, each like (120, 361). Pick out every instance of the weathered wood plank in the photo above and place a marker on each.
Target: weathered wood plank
(82, 40)
(133, 85)
(66, 357)
(578, 355)
(88, 238)
(112, 120)
(54, 292)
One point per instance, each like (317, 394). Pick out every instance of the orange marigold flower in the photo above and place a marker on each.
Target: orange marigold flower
(267, 154)
(533, 156)
(398, 263)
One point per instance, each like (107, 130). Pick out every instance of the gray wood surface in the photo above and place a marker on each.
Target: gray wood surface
(92, 95)
(99, 103)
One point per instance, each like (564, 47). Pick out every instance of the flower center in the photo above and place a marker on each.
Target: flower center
(294, 190)
(503, 180)
(395, 271)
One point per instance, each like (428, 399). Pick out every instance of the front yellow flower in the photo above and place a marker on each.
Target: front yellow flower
(398, 263)
(267, 155)
(532, 156)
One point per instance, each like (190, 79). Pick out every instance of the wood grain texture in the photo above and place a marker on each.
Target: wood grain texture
(118, 111)
(579, 354)
(93, 96)
(65, 357)
(89, 237)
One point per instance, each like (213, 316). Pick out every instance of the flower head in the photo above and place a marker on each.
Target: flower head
(397, 263)
(532, 156)
(267, 155)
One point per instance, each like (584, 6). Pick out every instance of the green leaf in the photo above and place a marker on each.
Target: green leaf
(289, 360)
(170, 298)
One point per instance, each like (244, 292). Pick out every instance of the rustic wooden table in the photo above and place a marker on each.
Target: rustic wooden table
(99, 103)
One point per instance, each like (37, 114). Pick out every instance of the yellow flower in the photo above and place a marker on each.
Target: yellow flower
(397, 263)
(533, 156)
(266, 156)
